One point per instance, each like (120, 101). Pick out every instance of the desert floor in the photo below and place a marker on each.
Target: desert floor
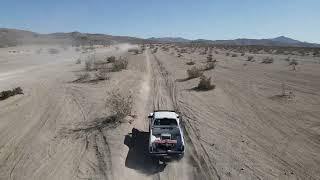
(241, 129)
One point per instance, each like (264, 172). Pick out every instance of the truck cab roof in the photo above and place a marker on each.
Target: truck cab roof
(166, 115)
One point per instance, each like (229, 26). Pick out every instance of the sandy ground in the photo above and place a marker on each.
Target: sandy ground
(239, 130)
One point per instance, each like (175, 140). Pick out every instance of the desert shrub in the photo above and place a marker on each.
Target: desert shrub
(267, 60)
(154, 50)
(209, 58)
(179, 55)
(53, 51)
(102, 74)
(111, 59)
(120, 64)
(242, 54)
(293, 62)
(287, 59)
(194, 72)
(6, 94)
(250, 58)
(88, 64)
(205, 83)
(119, 105)
(234, 55)
(78, 61)
(216, 52)
(134, 50)
(190, 63)
(227, 54)
(82, 77)
(210, 65)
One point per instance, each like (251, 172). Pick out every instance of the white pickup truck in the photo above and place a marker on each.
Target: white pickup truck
(166, 135)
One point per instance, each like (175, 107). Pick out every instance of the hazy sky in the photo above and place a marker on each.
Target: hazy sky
(193, 19)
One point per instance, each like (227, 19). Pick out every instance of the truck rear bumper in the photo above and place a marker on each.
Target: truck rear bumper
(167, 154)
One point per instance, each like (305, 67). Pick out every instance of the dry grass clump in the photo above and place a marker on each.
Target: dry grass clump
(267, 60)
(227, 54)
(82, 77)
(119, 64)
(134, 50)
(88, 64)
(242, 54)
(209, 58)
(179, 55)
(205, 84)
(119, 105)
(293, 62)
(210, 65)
(6, 94)
(102, 74)
(190, 63)
(78, 61)
(234, 55)
(250, 58)
(194, 72)
(111, 59)
(154, 50)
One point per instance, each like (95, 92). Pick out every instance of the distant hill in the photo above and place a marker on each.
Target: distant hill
(278, 41)
(169, 40)
(14, 37)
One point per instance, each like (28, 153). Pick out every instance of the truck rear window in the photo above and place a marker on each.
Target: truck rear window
(165, 122)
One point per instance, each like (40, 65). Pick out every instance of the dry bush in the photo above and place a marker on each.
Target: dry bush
(287, 59)
(234, 55)
(6, 94)
(242, 54)
(209, 58)
(267, 60)
(119, 64)
(190, 63)
(179, 55)
(194, 72)
(81, 77)
(119, 105)
(293, 62)
(250, 58)
(53, 51)
(88, 64)
(154, 50)
(210, 65)
(102, 74)
(227, 54)
(205, 84)
(111, 59)
(134, 50)
(78, 61)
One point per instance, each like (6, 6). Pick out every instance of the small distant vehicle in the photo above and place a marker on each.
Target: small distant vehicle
(166, 135)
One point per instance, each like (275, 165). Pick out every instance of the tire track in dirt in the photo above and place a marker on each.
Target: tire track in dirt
(165, 96)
